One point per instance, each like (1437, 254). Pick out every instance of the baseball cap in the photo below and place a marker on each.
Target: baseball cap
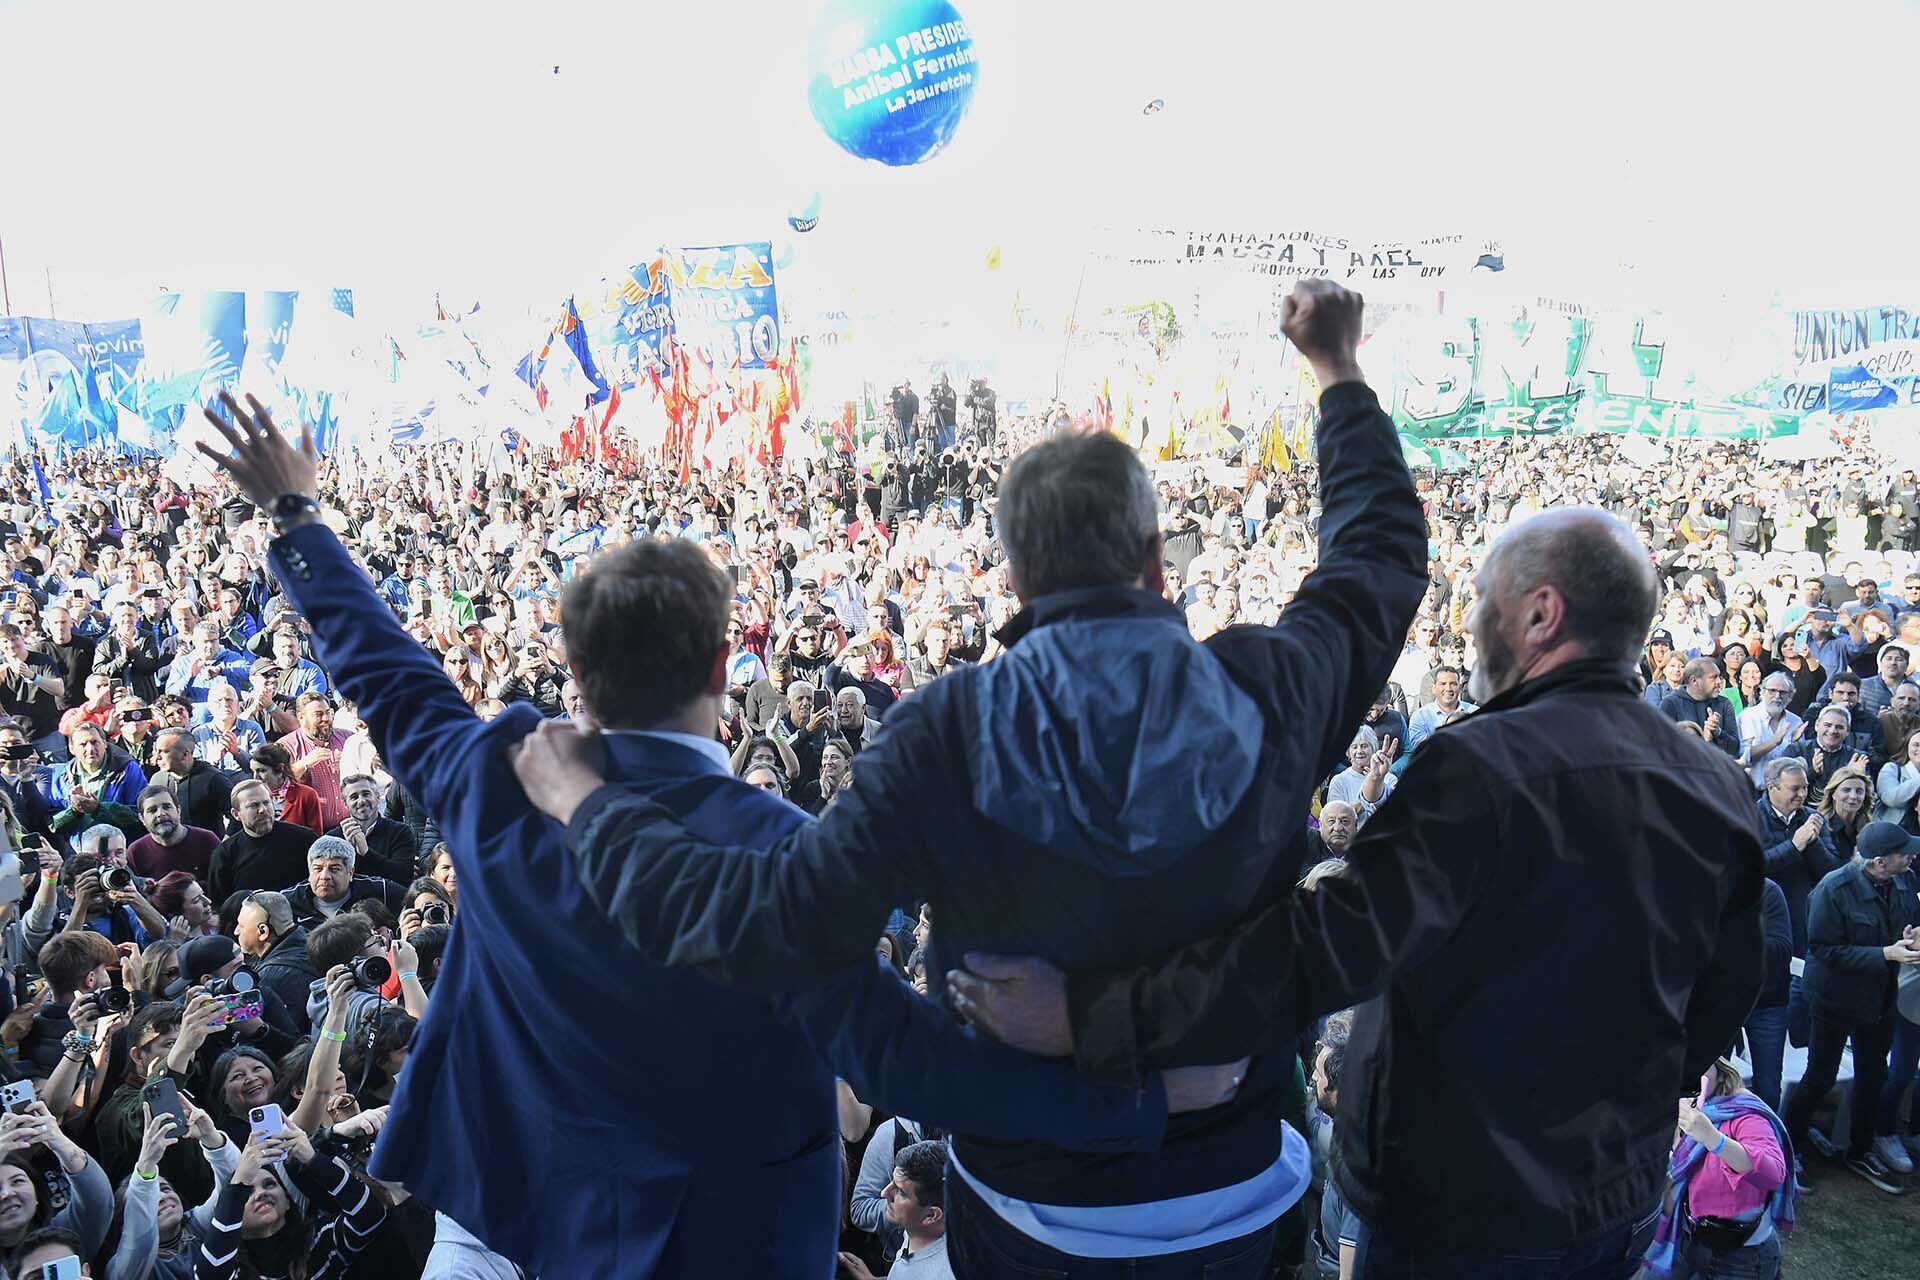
(1885, 840)
(1661, 636)
(203, 956)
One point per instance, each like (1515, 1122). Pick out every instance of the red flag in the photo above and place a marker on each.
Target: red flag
(603, 448)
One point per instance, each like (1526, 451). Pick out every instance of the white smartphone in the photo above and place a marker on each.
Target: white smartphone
(266, 1120)
(17, 1096)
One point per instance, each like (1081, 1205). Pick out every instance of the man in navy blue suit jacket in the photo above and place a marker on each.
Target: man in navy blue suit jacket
(578, 1110)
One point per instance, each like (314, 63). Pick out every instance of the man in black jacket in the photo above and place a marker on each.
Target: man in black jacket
(277, 943)
(203, 793)
(382, 846)
(1162, 816)
(331, 886)
(1863, 927)
(1700, 702)
(1529, 904)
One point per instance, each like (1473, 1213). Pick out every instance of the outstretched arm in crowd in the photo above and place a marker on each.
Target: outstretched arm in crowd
(412, 711)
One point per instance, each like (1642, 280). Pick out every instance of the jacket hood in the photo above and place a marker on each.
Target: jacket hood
(1114, 738)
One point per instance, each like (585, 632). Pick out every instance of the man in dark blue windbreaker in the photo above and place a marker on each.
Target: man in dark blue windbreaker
(1102, 792)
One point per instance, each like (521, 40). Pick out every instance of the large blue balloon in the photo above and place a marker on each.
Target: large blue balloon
(889, 80)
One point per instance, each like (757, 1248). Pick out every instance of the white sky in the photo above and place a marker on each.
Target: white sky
(1759, 149)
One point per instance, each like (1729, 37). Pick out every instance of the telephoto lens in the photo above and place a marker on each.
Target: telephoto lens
(370, 971)
(117, 879)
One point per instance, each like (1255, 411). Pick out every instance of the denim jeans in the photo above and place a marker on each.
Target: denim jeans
(983, 1246)
(1751, 1262)
(1831, 1031)
(1902, 1069)
(1613, 1254)
(1767, 1047)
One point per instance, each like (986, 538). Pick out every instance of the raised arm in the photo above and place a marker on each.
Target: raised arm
(412, 712)
(1336, 642)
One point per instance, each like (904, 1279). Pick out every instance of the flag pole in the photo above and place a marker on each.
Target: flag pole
(6, 294)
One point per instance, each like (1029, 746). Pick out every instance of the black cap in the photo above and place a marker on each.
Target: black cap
(1885, 840)
(1661, 636)
(203, 956)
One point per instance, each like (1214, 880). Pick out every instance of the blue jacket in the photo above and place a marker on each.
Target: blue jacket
(587, 1114)
(1104, 792)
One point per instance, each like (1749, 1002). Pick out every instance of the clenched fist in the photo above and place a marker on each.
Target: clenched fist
(1323, 320)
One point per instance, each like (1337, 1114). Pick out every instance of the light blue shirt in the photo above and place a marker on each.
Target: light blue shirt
(1162, 1226)
(1427, 719)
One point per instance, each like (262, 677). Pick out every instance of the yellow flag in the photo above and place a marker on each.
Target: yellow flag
(993, 258)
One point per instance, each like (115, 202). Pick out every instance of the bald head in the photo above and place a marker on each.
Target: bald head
(1598, 568)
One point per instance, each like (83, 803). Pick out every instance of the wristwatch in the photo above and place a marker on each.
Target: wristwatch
(291, 510)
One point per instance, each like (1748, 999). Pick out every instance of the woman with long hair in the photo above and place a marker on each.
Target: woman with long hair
(1847, 805)
(241, 1079)
(459, 664)
(884, 659)
(1729, 1194)
(259, 1233)
(497, 666)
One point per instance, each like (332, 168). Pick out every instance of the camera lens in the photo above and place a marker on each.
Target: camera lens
(371, 971)
(434, 913)
(117, 879)
(116, 999)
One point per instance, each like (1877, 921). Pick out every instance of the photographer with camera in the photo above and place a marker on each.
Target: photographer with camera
(99, 893)
(349, 940)
(245, 1014)
(331, 885)
(75, 966)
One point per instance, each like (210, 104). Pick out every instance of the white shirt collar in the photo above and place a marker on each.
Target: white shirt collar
(708, 747)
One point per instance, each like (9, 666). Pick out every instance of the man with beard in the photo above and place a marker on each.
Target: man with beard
(383, 846)
(1450, 918)
(203, 792)
(170, 844)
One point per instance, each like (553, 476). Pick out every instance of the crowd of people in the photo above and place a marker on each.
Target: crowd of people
(227, 913)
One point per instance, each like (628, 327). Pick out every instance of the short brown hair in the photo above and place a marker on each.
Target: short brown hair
(644, 623)
(68, 958)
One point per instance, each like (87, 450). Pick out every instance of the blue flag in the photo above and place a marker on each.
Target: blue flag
(40, 482)
(576, 337)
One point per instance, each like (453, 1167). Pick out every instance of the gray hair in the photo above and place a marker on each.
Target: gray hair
(331, 847)
(1781, 767)
(1076, 511)
(852, 691)
(801, 686)
(98, 832)
(274, 905)
(1598, 566)
(1365, 734)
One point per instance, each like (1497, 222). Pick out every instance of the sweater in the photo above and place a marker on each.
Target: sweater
(272, 861)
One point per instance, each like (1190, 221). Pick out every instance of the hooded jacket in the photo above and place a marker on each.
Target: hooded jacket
(1106, 790)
